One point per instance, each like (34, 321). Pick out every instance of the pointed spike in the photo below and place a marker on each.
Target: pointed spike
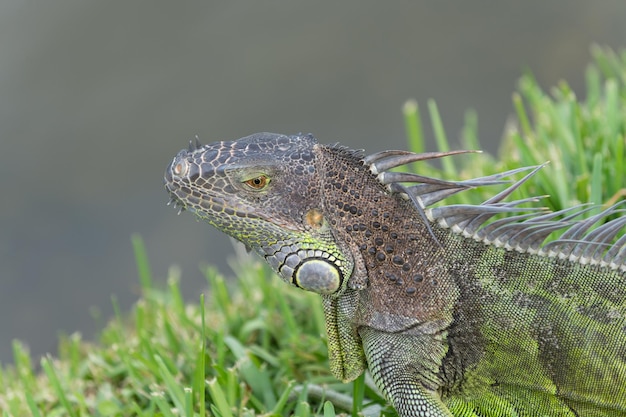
(505, 232)
(620, 258)
(471, 218)
(369, 159)
(547, 220)
(482, 182)
(617, 253)
(521, 201)
(389, 177)
(535, 235)
(420, 210)
(448, 213)
(198, 144)
(564, 246)
(431, 197)
(502, 234)
(599, 239)
(607, 231)
(483, 233)
(384, 161)
(512, 172)
(432, 190)
(613, 251)
(595, 251)
(561, 247)
(505, 193)
(536, 245)
(578, 230)
(475, 225)
(578, 249)
(191, 147)
(471, 227)
(454, 218)
(550, 215)
(576, 211)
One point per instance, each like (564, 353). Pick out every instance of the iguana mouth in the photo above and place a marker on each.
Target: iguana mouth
(207, 204)
(174, 200)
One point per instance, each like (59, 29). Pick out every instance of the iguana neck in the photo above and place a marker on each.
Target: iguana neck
(399, 251)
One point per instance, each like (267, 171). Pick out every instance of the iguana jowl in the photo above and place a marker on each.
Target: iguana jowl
(452, 315)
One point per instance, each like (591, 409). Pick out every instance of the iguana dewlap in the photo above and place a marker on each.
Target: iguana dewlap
(452, 315)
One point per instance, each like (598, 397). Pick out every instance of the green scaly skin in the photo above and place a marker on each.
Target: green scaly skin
(448, 324)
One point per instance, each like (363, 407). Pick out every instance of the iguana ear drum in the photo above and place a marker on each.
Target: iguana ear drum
(318, 275)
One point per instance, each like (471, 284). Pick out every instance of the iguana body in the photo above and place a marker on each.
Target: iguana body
(451, 315)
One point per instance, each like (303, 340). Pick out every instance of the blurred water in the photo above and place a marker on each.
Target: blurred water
(97, 97)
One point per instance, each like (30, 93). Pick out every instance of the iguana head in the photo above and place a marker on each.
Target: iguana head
(265, 191)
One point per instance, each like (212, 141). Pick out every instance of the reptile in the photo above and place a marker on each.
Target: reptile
(453, 311)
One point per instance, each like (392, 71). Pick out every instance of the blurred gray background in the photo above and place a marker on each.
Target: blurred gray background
(97, 97)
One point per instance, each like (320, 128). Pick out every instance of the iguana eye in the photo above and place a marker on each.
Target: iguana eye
(257, 183)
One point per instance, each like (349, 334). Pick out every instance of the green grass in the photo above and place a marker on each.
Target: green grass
(240, 352)
(255, 346)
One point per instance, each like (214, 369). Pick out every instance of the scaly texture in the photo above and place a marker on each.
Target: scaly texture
(453, 315)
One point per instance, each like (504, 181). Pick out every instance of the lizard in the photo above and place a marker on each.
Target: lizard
(452, 314)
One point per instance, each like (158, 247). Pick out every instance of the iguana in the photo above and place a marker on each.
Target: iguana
(451, 314)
